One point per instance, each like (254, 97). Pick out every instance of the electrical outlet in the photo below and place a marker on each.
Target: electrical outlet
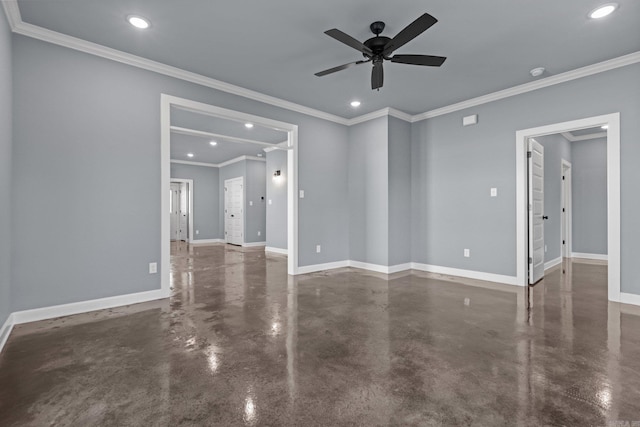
(259, 232)
(270, 202)
(318, 249)
(153, 267)
(302, 194)
(250, 203)
(467, 253)
(197, 231)
(494, 192)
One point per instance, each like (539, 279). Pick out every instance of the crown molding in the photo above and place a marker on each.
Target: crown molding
(572, 138)
(185, 162)
(204, 134)
(589, 70)
(241, 158)
(18, 26)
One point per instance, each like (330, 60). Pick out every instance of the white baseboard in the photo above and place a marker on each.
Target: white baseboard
(203, 242)
(632, 299)
(6, 331)
(276, 250)
(320, 267)
(45, 313)
(598, 257)
(478, 275)
(380, 268)
(253, 244)
(552, 263)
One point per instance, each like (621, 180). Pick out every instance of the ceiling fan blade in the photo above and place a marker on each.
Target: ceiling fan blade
(428, 60)
(349, 41)
(339, 68)
(377, 76)
(410, 32)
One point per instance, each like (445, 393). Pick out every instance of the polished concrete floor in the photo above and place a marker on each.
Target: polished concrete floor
(241, 343)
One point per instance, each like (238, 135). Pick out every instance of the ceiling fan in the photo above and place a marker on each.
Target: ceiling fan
(379, 48)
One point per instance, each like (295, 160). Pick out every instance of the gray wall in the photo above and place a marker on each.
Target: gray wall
(399, 191)
(206, 199)
(556, 148)
(368, 192)
(453, 168)
(6, 141)
(256, 192)
(277, 192)
(589, 196)
(84, 141)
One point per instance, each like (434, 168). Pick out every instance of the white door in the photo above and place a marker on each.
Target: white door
(179, 214)
(174, 198)
(566, 209)
(536, 211)
(233, 211)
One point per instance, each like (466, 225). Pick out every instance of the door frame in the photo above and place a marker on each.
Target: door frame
(189, 182)
(168, 101)
(224, 207)
(613, 193)
(566, 222)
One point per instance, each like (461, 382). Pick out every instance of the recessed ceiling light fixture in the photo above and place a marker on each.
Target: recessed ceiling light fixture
(604, 127)
(248, 125)
(138, 22)
(537, 72)
(355, 104)
(602, 11)
(189, 154)
(213, 143)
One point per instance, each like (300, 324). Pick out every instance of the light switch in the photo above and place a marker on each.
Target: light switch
(270, 201)
(250, 203)
(494, 192)
(302, 194)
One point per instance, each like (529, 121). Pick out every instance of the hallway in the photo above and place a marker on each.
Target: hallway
(242, 343)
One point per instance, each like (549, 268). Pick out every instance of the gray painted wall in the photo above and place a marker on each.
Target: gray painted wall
(556, 148)
(368, 192)
(87, 137)
(453, 168)
(589, 196)
(206, 199)
(6, 141)
(399, 191)
(256, 192)
(277, 192)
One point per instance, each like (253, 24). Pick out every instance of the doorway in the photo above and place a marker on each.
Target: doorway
(612, 121)
(233, 214)
(181, 210)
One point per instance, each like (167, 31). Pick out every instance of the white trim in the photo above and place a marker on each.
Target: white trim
(469, 274)
(632, 299)
(613, 193)
(270, 149)
(571, 138)
(276, 250)
(186, 162)
(239, 159)
(12, 11)
(189, 182)
(5, 331)
(45, 313)
(253, 244)
(380, 268)
(566, 202)
(599, 257)
(552, 263)
(205, 242)
(204, 134)
(305, 269)
(588, 70)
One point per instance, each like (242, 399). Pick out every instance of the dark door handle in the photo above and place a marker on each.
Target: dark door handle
(231, 216)
(545, 217)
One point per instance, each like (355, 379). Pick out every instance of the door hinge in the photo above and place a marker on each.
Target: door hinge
(563, 242)
(563, 177)
(530, 260)
(562, 209)
(529, 154)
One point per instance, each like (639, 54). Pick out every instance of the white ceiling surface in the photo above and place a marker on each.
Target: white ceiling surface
(276, 46)
(205, 153)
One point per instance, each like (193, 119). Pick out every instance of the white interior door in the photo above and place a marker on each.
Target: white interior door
(183, 217)
(566, 210)
(536, 211)
(174, 198)
(233, 211)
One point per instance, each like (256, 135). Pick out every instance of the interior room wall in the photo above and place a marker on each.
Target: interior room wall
(454, 167)
(277, 199)
(589, 196)
(399, 191)
(206, 199)
(256, 201)
(6, 142)
(556, 148)
(87, 137)
(368, 192)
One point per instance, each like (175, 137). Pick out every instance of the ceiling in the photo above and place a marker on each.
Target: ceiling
(275, 47)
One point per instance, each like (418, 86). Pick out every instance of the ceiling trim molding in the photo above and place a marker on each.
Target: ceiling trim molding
(239, 159)
(18, 26)
(204, 134)
(573, 138)
(588, 70)
(185, 162)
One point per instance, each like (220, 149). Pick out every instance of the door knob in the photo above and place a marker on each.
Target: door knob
(545, 217)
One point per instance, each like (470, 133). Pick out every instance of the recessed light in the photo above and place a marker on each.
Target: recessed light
(537, 72)
(604, 127)
(602, 11)
(138, 22)
(213, 143)
(248, 125)
(355, 104)
(189, 154)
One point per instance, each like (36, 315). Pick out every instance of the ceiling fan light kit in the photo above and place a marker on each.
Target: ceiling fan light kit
(379, 49)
